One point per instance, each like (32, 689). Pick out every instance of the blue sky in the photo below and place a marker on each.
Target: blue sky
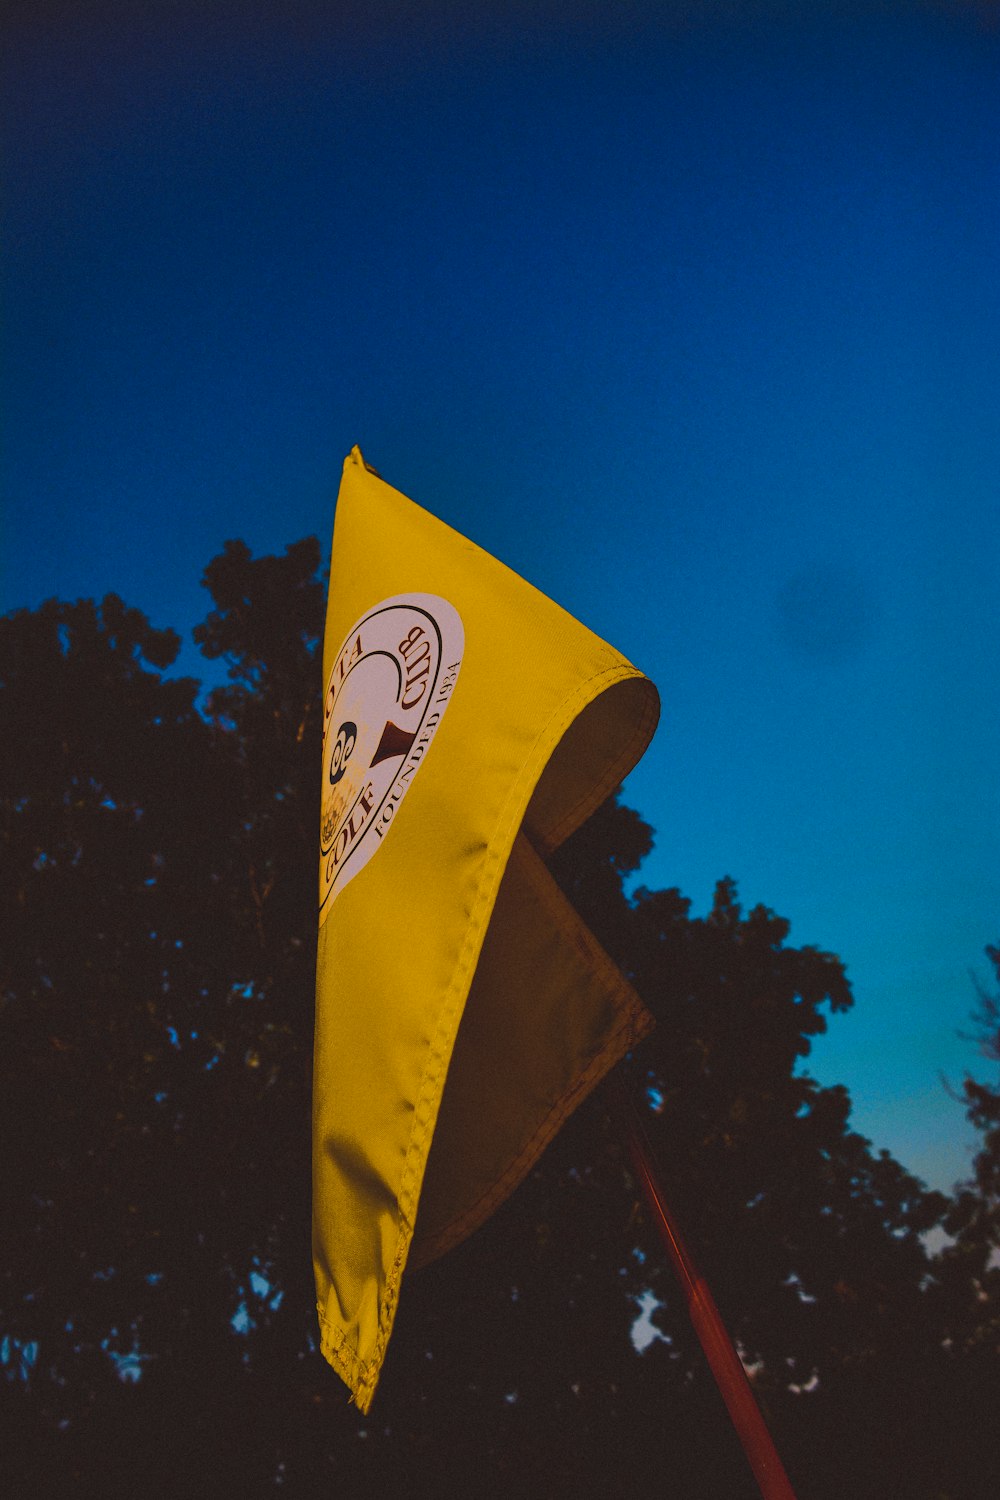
(687, 311)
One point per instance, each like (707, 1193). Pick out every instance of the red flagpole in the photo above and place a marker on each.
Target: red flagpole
(730, 1376)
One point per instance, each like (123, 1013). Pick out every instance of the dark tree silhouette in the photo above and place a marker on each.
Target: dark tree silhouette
(975, 1218)
(157, 939)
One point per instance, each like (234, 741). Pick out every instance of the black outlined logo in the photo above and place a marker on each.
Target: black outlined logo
(386, 694)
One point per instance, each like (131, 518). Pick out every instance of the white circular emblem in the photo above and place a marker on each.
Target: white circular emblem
(386, 695)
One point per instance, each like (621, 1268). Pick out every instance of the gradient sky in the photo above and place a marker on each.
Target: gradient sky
(690, 312)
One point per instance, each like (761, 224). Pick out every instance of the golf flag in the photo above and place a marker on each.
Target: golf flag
(463, 1009)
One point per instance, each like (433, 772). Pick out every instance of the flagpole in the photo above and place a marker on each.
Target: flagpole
(725, 1363)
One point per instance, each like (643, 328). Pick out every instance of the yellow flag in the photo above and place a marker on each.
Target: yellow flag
(463, 1009)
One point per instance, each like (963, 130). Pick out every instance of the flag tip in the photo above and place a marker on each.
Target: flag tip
(357, 457)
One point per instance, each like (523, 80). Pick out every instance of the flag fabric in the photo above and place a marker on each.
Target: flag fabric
(463, 1009)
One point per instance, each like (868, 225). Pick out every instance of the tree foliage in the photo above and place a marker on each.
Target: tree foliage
(157, 941)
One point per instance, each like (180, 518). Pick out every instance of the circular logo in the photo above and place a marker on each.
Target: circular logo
(389, 686)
